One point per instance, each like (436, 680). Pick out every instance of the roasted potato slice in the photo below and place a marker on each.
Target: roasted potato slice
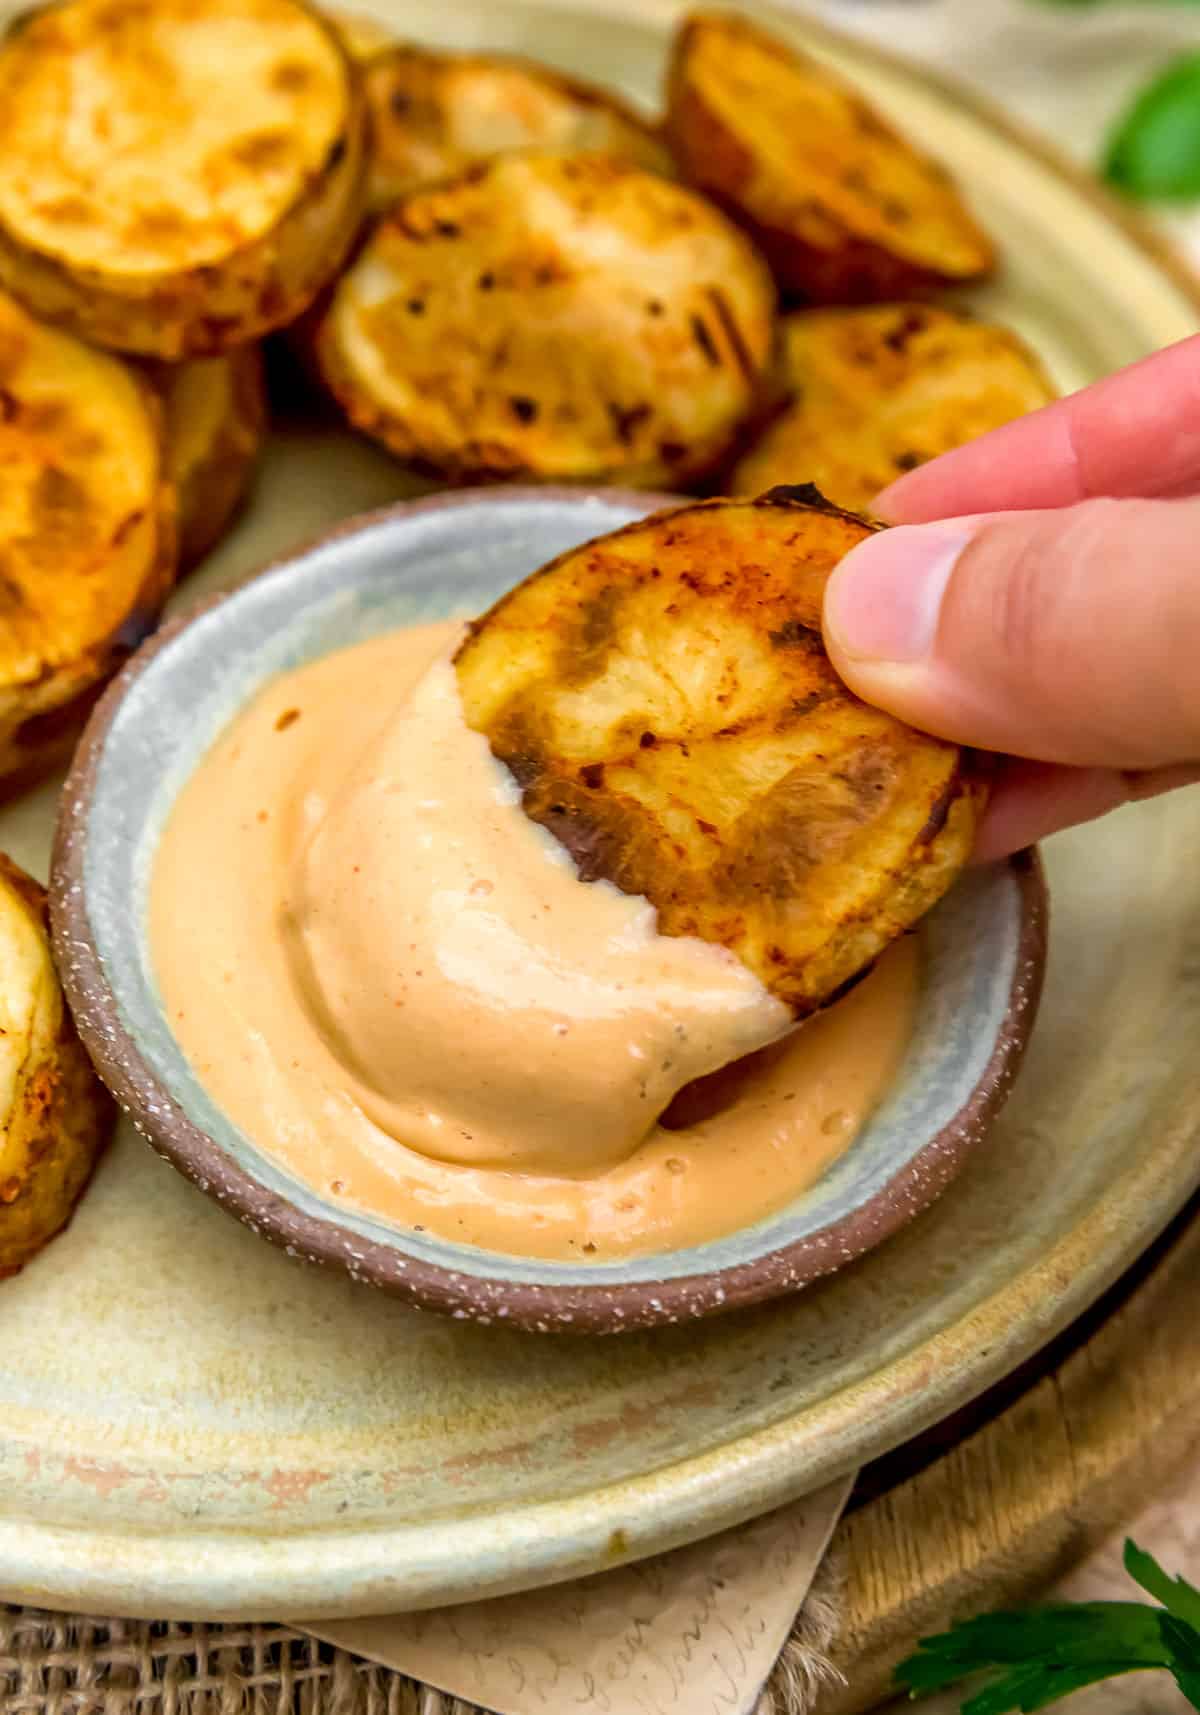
(216, 419)
(179, 176)
(435, 114)
(552, 316)
(55, 1115)
(663, 698)
(87, 537)
(845, 209)
(877, 391)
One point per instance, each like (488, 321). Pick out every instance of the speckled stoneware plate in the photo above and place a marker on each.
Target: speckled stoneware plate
(982, 950)
(193, 1424)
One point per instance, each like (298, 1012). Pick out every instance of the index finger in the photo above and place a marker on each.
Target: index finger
(1135, 434)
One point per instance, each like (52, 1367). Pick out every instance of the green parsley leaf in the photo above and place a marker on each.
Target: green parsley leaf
(1155, 149)
(1177, 1596)
(1184, 1643)
(1023, 1661)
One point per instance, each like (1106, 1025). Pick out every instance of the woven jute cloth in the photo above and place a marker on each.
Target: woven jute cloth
(66, 1664)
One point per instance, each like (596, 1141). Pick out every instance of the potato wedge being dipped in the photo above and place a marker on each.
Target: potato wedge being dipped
(216, 420)
(180, 176)
(878, 391)
(87, 534)
(663, 699)
(435, 114)
(552, 317)
(844, 208)
(55, 1115)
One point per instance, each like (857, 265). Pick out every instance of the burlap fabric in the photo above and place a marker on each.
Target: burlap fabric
(66, 1664)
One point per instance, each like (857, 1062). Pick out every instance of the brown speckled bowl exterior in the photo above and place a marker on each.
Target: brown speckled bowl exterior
(588, 1307)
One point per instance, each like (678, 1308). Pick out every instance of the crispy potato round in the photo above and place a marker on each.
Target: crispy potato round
(55, 1115)
(552, 316)
(845, 210)
(663, 698)
(216, 420)
(877, 391)
(87, 537)
(433, 115)
(179, 176)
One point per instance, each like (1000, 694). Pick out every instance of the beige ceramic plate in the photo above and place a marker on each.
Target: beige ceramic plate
(192, 1425)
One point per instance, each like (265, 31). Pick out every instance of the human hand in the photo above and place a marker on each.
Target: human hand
(1042, 599)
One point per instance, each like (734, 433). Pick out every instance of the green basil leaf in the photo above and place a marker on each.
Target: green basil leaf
(1155, 149)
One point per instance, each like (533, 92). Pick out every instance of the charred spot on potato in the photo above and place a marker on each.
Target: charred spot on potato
(733, 333)
(263, 149)
(627, 419)
(664, 702)
(794, 494)
(794, 634)
(939, 812)
(704, 340)
(912, 322)
(292, 77)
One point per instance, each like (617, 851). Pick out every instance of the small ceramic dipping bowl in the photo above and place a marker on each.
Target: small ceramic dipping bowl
(982, 948)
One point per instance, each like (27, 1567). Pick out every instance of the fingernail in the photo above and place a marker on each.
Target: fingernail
(883, 601)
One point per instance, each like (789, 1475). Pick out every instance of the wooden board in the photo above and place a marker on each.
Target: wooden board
(980, 1514)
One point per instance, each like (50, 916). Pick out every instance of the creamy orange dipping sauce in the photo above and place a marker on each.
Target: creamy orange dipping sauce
(395, 984)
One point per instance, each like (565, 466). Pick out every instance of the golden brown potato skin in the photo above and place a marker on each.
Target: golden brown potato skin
(55, 1115)
(87, 534)
(552, 317)
(663, 698)
(363, 36)
(844, 209)
(433, 115)
(875, 392)
(180, 177)
(216, 421)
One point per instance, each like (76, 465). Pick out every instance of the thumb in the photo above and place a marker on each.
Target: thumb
(1067, 636)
